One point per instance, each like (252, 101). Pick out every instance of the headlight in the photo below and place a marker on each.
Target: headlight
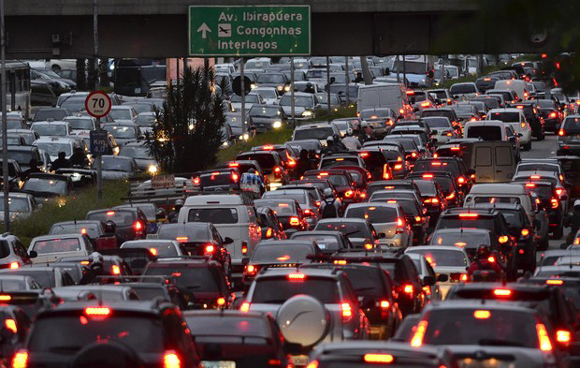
(152, 169)
(287, 88)
(225, 144)
(252, 86)
(307, 113)
(279, 88)
(116, 150)
(277, 124)
(245, 136)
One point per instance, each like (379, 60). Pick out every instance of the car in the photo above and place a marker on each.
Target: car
(289, 213)
(94, 230)
(517, 120)
(318, 131)
(305, 105)
(328, 295)
(151, 332)
(251, 99)
(377, 160)
(432, 197)
(506, 193)
(20, 206)
(549, 202)
(453, 165)
(49, 248)
(54, 145)
(270, 224)
(415, 214)
(270, 95)
(306, 203)
(81, 125)
(123, 114)
(338, 159)
(329, 242)
(51, 128)
(379, 119)
(534, 118)
(45, 276)
(442, 129)
(551, 114)
(267, 117)
(428, 278)
(464, 91)
(141, 155)
(389, 221)
(468, 328)
(341, 180)
(228, 331)
(116, 167)
(360, 232)
(379, 185)
(131, 223)
(44, 187)
(124, 132)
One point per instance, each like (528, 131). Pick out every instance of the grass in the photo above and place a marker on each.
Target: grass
(279, 136)
(68, 209)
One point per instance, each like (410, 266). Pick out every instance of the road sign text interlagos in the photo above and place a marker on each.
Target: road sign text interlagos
(249, 30)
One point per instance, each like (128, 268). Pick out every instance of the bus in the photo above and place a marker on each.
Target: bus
(419, 69)
(134, 77)
(18, 87)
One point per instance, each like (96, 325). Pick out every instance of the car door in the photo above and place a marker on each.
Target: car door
(505, 163)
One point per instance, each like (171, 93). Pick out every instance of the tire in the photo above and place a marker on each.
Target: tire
(558, 233)
(528, 146)
(56, 68)
(297, 326)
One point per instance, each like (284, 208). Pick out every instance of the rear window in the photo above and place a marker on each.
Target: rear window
(265, 160)
(508, 117)
(350, 229)
(462, 88)
(91, 230)
(4, 249)
(373, 214)
(57, 245)
(213, 215)
(160, 250)
(336, 180)
(513, 218)
(216, 178)
(324, 242)
(313, 133)
(441, 257)
(438, 122)
(426, 188)
(433, 165)
(141, 334)
(281, 209)
(483, 199)
(44, 278)
(280, 253)
(120, 218)
(339, 161)
(571, 124)
(299, 197)
(278, 290)
(485, 132)
(487, 327)
(149, 293)
(456, 222)
(7, 285)
(365, 281)
(460, 239)
(193, 279)
(195, 233)
(227, 326)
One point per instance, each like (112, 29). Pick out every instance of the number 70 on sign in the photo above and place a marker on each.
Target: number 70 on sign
(98, 104)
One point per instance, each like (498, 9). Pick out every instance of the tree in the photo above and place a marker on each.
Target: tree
(188, 132)
(81, 74)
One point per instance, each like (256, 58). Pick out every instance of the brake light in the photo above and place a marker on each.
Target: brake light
(525, 232)
(482, 314)
(346, 312)
(251, 270)
(451, 196)
(503, 239)
(110, 213)
(11, 325)
(561, 132)
(196, 180)
(386, 175)
(221, 301)
(554, 202)
(245, 307)
(378, 358)
(417, 340)
(5, 298)
(291, 161)
(460, 244)
(20, 359)
(408, 289)
(234, 164)
(308, 212)
(464, 277)
(562, 336)
(153, 251)
(138, 226)
(182, 239)
(313, 364)
(364, 154)
(545, 344)
(209, 249)
(530, 185)
(523, 125)
(552, 115)
(400, 222)
(385, 304)
(455, 149)
(559, 191)
(14, 265)
(427, 176)
(116, 270)
(469, 215)
(235, 177)
(398, 167)
(296, 277)
(294, 221)
(244, 248)
(554, 282)
(267, 148)
(425, 104)
(502, 292)
(461, 180)
(414, 154)
(432, 200)
(97, 311)
(171, 360)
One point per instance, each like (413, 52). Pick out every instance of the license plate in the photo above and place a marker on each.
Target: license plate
(218, 364)
(300, 360)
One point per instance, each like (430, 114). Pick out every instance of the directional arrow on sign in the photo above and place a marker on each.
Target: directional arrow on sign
(203, 29)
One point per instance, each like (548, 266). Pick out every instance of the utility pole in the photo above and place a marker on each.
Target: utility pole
(347, 82)
(292, 101)
(96, 45)
(328, 84)
(243, 91)
(4, 122)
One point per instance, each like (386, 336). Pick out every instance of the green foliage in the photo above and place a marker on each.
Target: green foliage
(68, 209)
(188, 134)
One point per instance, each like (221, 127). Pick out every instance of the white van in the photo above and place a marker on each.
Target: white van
(510, 193)
(493, 161)
(233, 216)
(517, 120)
(487, 130)
(514, 85)
(464, 91)
(392, 96)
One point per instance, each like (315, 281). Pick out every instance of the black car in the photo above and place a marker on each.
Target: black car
(267, 117)
(138, 333)
(453, 165)
(288, 211)
(329, 242)
(131, 222)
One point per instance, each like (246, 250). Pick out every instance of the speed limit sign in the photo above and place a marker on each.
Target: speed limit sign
(98, 104)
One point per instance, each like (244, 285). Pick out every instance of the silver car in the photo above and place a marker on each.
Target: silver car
(387, 219)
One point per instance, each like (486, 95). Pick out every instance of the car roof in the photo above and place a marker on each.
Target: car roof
(313, 272)
(56, 236)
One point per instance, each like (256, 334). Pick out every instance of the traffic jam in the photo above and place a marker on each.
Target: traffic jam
(435, 227)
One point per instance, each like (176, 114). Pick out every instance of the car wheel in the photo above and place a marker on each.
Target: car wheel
(528, 146)
(56, 68)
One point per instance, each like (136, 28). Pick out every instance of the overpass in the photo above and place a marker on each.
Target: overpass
(158, 28)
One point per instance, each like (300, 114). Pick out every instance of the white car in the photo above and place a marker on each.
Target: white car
(50, 248)
(123, 114)
(517, 120)
(51, 128)
(269, 94)
(81, 125)
(54, 145)
(250, 100)
(442, 127)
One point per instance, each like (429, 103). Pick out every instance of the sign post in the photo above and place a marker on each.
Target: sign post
(249, 30)
(98, 104)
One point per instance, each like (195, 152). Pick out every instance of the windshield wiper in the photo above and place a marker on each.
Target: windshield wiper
(498, 342)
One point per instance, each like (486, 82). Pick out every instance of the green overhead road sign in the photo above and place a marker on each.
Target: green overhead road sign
(249, 30)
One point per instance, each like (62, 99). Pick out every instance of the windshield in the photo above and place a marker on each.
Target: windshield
(250, 98)
(185, 232)
(121, 114)
(56, 246)
(302, 101)
(50, 130)
(546, 104)
(93, 231)
(213, 215)
(482, 327)
(462, 88)
(45, 185)
(507, 117)
(278, 290)
(120, 218)
(17, 205)
(122, 132)
(139, 333)
(145, 120)
(373, 214)
(140, 152)
(110, 163)
(438, 122)
(74, 104)
(485, 132)
(53, 149)
(350, 229)
(314, 133)
(194, 279)
(442, 258)
(271, 79)
(267, 93)
(81, 124)
(571, 124)
(460, 238)
(278, 253)
(265, 111)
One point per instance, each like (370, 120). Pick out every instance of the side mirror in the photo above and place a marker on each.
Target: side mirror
(443, 278)
(387, 71)
(428, 281)
(563, 246)
(228, 240)
(32, 254)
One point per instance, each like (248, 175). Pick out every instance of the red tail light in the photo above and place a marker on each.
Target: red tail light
(417, 340)
(171, 360)
(182, 239)
(432, 200)
(502, 292)
(296, 277)
(555, 203)
(116, 270)
(291, 162)
(561, 132)
(244, 248)
(245, 308)
(461, 180)
(398, 167)
(559, 191)
(235, 177)
(427, 176)
(138, 226)
(545, 344)
(209, 249)
(20, 359)
(414, 154)
(451, 196)
(349, 193)
(552, 115)
(196, 181)
(455, 149)
(97, 311)
(308, 212)
(378, 358)
(409, 289)
(14, 265)
(346, 312)
(469, 215)
(10, 324)
(385, 304)
(277, 172)
(400, 222)
(221, 301)
(525, 232)
(386, 175)
(251, 270)
(563, 336)
(294, 221)
(425, 104)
